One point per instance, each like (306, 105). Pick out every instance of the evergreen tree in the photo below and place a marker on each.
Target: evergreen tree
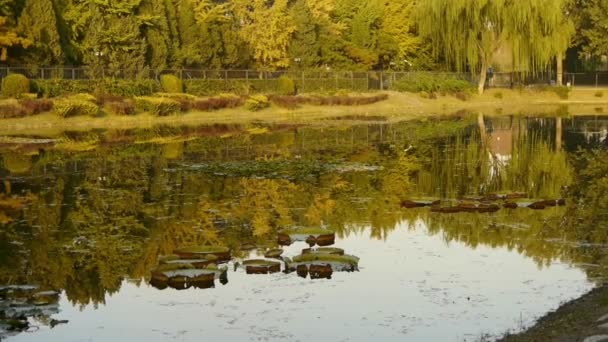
(304, 49)
(157, 33)
(38, 23)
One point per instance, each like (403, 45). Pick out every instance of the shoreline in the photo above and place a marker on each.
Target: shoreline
(584, 319)
(398, 107)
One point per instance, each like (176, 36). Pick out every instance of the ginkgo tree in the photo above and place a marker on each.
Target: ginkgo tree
(10, 38)
(467, 33)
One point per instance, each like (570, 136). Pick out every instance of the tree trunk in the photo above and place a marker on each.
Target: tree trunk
(560, 70)
(482, 76)
(558, 134)
(483, 132)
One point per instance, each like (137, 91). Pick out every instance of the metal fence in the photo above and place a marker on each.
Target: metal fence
(307, 80)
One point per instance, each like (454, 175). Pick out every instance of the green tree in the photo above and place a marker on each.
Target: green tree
(157, 30)
(38, 23)
(304, 49)
(593, 29)
(469, 32)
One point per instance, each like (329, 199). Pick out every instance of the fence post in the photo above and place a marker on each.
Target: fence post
(381, 80)
(596, 80)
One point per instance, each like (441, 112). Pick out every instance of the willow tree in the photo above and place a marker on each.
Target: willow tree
(467, 33)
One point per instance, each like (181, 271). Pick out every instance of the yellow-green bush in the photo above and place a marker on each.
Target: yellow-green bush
(14, 85)
(286, 86)
(84, 97)
(256, 103)
(69, 107)
(171, 84)
(157, 105)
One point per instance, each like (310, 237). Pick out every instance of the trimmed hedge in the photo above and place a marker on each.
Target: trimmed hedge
(292, 102)
(171, 84)
(125, 88)
(220, 102)
(157, 105)
(432, 83)
(15, 85)
(68, 107)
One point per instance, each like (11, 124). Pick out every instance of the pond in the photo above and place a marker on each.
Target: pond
(447, 229)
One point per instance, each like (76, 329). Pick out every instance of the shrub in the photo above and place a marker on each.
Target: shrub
(11, 109)
(286, 86)
(157, 105)
(69, 107)
(84, 97)
(462, 95)
(257, 103)
(562, 92)
(36, 106)
(176, 96)
(214, 103)
(431, 83)
(171, 84)
(126, 107)
(14, 85)
(107, 98)
(288, 102)
(599, 93)
(114, 87)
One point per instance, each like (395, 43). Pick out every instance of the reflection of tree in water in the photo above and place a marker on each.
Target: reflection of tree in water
(91, 218)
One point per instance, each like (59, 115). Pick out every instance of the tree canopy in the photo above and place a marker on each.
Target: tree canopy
(339, 34)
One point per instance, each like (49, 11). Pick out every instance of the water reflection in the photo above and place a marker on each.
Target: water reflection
(82, 212)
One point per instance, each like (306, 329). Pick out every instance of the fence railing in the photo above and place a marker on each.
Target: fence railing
(366, 80)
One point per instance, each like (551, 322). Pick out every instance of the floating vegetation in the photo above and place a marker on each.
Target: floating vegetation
(182, 276)
(465, 207)
(482, 204)
(312, 236)
(324, 250)
(261, 266)
(534, 204)
(273, 253)
(20, 302)
(322, 265)
(418, 203)
(202, 252)
(276, 169)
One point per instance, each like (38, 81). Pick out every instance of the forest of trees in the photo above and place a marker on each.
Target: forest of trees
(280, 34)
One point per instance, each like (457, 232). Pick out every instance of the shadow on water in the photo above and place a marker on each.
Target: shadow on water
(81, 213)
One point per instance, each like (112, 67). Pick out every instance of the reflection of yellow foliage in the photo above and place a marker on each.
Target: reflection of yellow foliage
(17, 163)
(322, 206)
(4, 219)
(261, 224)
(173, 150)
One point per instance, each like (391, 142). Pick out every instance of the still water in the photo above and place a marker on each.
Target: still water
(85, 217)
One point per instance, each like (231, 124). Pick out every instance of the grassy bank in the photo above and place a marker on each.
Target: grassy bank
(398, 106)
